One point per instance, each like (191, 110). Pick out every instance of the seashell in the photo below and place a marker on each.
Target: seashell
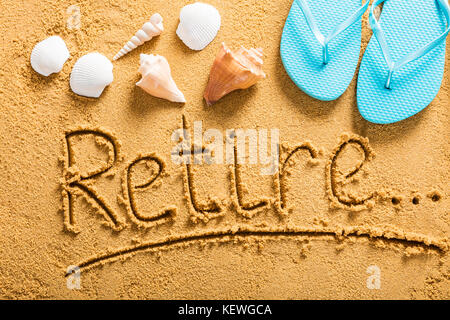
(157, 79)
(91, 74)
(199, 24)
(154, 27)
(233, 70)
(49, 56)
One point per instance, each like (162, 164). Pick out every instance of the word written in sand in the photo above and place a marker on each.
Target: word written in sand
(81, 182)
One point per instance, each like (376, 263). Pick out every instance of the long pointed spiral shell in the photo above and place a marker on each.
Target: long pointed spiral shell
(154, 27)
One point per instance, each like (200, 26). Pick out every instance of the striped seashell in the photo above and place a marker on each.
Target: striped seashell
(199, 24)
(91, 74)
(49, 56)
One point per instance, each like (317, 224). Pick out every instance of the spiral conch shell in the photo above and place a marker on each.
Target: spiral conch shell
(157, 79)
(233, 70)
(154, 27)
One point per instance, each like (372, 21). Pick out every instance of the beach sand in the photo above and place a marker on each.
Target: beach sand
(74, 170)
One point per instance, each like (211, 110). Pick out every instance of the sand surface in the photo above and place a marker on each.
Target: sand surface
(90, 182)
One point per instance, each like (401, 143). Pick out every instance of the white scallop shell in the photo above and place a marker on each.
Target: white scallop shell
(199, 24)
(91, 74)
(49, 56)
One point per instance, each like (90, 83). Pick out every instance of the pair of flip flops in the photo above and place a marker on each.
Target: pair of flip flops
(403, 65)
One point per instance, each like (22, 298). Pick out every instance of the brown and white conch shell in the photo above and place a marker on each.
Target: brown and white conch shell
(233, 70)
(157, 79)
(154, 27)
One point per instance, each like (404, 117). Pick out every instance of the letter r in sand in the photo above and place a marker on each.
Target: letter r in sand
(89, 154)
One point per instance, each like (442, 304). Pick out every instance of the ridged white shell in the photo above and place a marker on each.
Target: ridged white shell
(199, 24)
(91, 74)
(49, 56)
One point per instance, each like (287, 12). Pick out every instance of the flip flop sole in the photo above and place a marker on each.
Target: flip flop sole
(409, 25)
(301, 53)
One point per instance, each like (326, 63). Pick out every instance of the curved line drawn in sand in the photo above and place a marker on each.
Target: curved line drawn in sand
(335, 179)
(235, 233)
(129, 189)
(280, 183)
(198, 211)
(252, 207)
(77, 183)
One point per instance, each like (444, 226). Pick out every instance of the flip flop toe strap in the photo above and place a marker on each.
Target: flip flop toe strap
(324, 41)
(381, 38)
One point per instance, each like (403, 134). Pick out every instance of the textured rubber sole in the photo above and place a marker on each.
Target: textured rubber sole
(409, 25)
(301, 53)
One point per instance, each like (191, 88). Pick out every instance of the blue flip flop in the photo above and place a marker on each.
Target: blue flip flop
(402, 69)
(320, 45)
